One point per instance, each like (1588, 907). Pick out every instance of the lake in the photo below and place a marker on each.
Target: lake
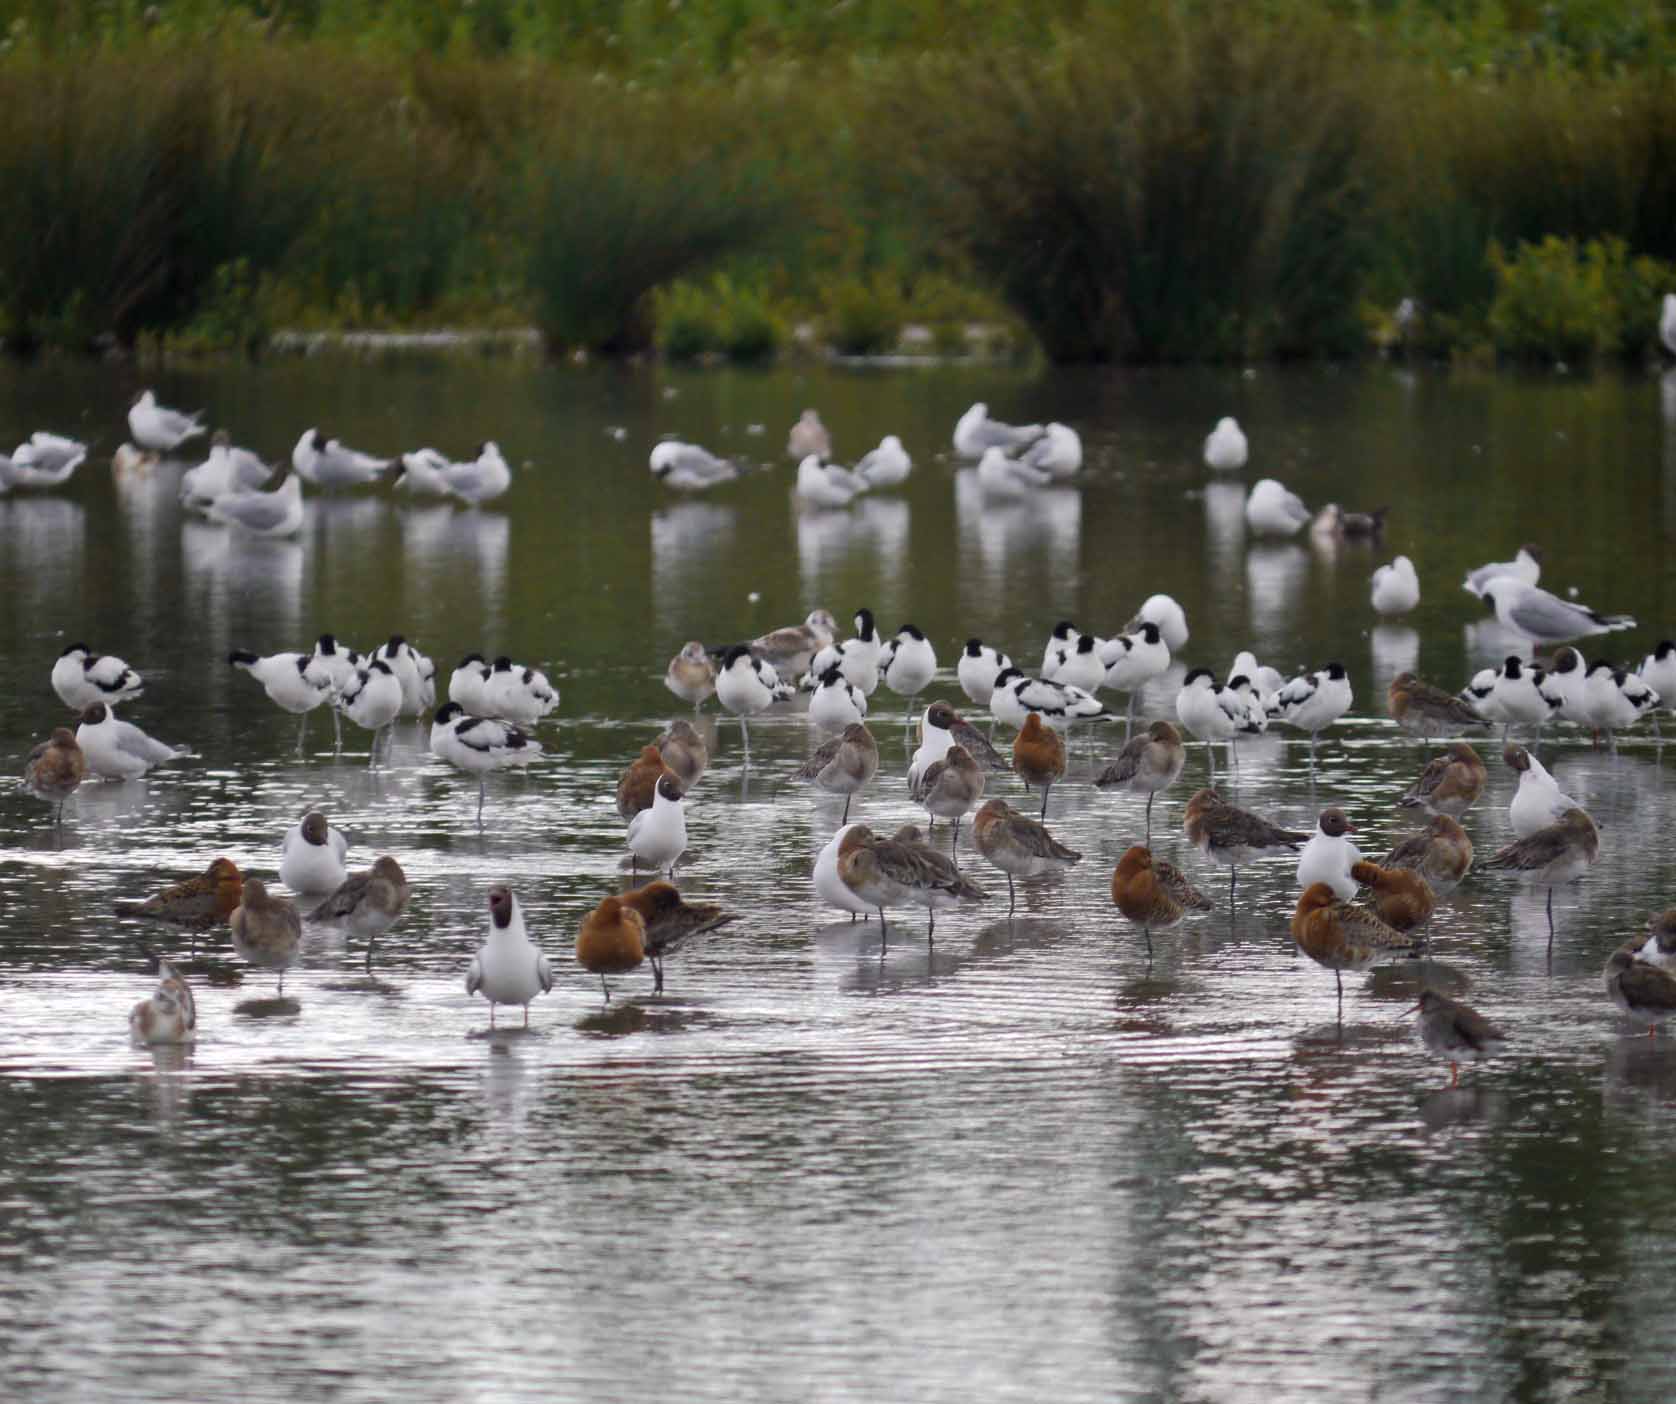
(1022, 1162)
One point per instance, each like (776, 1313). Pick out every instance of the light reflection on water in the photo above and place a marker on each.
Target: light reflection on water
(1020, 1162)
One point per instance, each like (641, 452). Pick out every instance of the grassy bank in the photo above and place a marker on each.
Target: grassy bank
(1127, 183)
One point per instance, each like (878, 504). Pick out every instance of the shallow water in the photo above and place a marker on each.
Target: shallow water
(1018, 1163)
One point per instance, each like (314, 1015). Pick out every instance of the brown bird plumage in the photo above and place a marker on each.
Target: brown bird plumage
(1018, 845)
(54, 769)
(612, 940)
(266, 929)
(844, 764)
(1148, 763)
(671, 922)
(901, 871)
(1646, 992)
(1150, 892)
(1401, 897)
(1039, 756)
(950, 788)
(1450, 784)
(639, 783)
(1341, 937)
(1455, 1031)
(1441, 853)
(1423, 710)
(1551, 856)
(1225, 833)
(684, 751)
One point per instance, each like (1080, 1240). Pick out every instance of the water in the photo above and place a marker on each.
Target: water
(1018, 1164)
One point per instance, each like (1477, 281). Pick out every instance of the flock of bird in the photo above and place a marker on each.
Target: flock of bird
(491, 706)
(236, 487)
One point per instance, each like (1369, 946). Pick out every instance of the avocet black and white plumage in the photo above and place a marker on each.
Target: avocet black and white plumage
(274, 511)
(119, 750)
(1517, 694)
(372, 700)
(1168, 615)
(159, 429)
(1563, 685)
(658, 836)
(1209, 711)
(1133, 660)
(402, 660)
(934, 741)
(227, 469)
(1063, 636)
(1658, 671)
(836, 702)
(518, 694)
(508, 968)
(909, 664)
(1079, 665)
(1225, 446)
(747, 686)
(978, 668)
(1614, 699)
(329, 463)
(81, 678)
(480, 479)
(1016, 696)
(46, 461)
(295, 682)
(1544, 618)
(467, 682)
(689, 468)
(478, 745)
(975, 432)
(1314, 701)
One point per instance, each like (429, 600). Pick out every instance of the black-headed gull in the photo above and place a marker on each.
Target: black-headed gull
(1396, 587)
(1543, 617)
(227, 469)
(1225, 446)
(274, 513)
(689, 468)
(47, 460)
(328, 463)
(159, 429)
(311, 856)
(508, 968)
(657, 836)
(975, 432)
(1058, 452)
(1003, 477)
(119, 750)
(481, 479)
(1271, 510)
(1329, 855)
(1526, 566)
(827, 485)
(886, 466)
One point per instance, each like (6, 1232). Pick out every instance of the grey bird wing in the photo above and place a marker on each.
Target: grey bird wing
(1127, 765)
(1546, 616)
(256, 511)
(1430, 778)
(1537, 851)
(977, 744)
(345, 900)
(1232, 827)
(823, 756)
(1410, 853)
(134, 742)
(1035, 840)
(474, 976)
(1471, 1027)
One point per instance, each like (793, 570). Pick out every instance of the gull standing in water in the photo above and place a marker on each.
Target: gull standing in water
(1271, 510)
(274, 512)
(483, 479)
(1225, 446)
(508, 968)
(47, 460)
(689, 468)
(227, 469)
(886, 466)
(1000, 476)
(976, 431)
(826, 485)
(1057, 453)
(1525, 567)
(311, 857)
(658, 836)
(119, 750)
(1329, 856)
(327, 463)
(158, 429)
(1396, 588)
(1539, 801)
(1545, 618)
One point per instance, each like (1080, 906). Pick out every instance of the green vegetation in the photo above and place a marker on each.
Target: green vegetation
(1126, 182)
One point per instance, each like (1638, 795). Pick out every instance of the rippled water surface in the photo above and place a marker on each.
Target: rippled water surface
(1020, 1163)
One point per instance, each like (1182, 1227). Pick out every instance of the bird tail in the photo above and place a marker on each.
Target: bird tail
(1612, 622)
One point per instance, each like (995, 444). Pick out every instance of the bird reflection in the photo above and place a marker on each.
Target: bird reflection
(1224, 524)
(235, 580)
(874, 529)
(1000, 539)
(1396, 649)
(44, 546)
(1275, 577)
(1463, 1106)
(168, 1093)
(691, 543)
(1488, 642)
(445, 539)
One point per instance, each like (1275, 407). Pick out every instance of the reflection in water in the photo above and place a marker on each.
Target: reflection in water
(44, 552)
(1224, 525)
(237, 583)
(1489, 642)
(1039, 535)
(440, 540)
(1275, 578)
(691, 542)
(1396, 649)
